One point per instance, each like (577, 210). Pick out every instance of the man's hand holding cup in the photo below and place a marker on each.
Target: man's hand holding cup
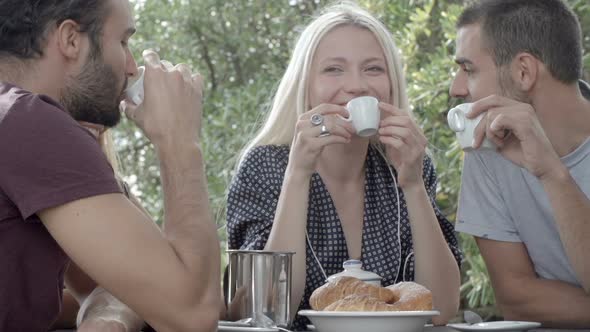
(165, 101)
(514, 128)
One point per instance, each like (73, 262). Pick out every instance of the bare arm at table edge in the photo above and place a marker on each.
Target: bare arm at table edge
(171, 279)
(435, 265)
(571, 209)
(288, 229)
(522, 295)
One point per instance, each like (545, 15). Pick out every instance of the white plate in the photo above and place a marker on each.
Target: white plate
(378, 321)
(225, 328)
(230, 326)
(496, 326)
(232, 323)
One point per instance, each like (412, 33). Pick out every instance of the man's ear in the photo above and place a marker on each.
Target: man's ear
(70, 41)
(525, 70)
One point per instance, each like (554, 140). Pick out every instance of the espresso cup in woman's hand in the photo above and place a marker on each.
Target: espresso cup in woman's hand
(364, 115)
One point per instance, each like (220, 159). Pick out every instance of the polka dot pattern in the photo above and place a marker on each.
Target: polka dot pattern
(253, 198)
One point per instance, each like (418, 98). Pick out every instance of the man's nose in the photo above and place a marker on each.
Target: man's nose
(458, 88)
(131, 66)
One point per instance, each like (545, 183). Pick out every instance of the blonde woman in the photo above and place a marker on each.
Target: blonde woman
(352, 197)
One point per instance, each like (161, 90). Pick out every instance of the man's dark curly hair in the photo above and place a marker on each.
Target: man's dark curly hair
(24, 24)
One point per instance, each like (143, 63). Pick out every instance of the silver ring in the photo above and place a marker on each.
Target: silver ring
(317, 119)
(325, 132)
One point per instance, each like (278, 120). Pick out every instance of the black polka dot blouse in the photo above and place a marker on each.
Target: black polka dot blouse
(254, 194)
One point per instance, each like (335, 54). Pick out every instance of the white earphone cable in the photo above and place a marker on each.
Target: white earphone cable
(314, 256)
(399, 220)
(405, 265)
(378, 148)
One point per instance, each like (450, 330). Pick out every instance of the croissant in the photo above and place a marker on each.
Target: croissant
(358, 303)
(351, 294)
(410, 296)
(342, 287)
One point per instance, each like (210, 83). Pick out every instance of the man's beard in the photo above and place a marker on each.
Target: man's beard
(93, 95)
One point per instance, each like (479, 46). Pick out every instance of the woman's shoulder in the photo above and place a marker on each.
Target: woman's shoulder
(266, 157)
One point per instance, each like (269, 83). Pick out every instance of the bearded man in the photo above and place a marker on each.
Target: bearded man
(62, 212)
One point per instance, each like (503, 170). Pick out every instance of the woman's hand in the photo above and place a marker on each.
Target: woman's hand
(405, 144)
(309, 142)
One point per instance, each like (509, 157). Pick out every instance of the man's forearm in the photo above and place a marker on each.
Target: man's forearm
(553, 303)
(188, 223)
(572, 214)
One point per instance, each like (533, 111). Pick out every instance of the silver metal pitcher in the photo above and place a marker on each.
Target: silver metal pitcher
(259, 287)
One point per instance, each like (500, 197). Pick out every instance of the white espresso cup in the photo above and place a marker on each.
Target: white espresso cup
(364, 115)
(134, 89)
(465, 127)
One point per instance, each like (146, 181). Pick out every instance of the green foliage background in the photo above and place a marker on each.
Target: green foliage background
(242, 48)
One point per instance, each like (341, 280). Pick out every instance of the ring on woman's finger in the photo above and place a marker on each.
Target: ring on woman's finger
(324, 132)
(317, 119)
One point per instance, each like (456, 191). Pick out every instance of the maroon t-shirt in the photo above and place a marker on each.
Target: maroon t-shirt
(46, 159)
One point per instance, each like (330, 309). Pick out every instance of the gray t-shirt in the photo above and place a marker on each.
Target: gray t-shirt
(502, 201)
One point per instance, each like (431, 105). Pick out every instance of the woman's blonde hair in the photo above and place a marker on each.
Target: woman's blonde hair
(108, 147)
(292, 99)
